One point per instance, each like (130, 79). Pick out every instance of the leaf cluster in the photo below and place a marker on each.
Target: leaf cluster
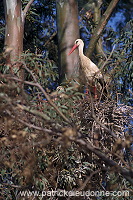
(121, 66)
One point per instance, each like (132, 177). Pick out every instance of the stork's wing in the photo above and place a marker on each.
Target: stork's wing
(92, 72)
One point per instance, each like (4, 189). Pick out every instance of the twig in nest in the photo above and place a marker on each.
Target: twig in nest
(97, 121)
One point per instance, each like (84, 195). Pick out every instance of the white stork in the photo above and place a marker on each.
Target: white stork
(91, 71)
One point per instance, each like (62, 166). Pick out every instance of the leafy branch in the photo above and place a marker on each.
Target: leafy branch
(36, 84)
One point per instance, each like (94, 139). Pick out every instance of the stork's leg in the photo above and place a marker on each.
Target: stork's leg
(93, 90)
(86, 90)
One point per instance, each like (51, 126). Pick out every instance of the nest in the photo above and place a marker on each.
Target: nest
(35, 143)
(102, 120)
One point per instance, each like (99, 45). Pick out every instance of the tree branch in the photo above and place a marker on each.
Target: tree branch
(106, 61)
(86, 145)
(47, 96)
(27, 7)
(36, 84)
(34, 112)
(102, 23)
(51, 37)
(87, 180)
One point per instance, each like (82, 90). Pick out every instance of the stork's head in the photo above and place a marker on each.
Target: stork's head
(78, 43)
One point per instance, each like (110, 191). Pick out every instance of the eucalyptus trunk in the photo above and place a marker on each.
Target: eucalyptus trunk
(97, 17)
(14, 31)
(68, 32)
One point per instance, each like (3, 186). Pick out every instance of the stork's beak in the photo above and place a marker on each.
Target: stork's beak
(73, 48)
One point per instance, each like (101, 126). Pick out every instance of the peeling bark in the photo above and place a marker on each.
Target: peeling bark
(14, 32)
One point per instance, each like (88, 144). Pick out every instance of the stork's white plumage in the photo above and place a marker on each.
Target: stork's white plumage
(90, 70)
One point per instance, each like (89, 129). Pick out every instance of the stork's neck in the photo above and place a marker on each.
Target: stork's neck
(81, 50)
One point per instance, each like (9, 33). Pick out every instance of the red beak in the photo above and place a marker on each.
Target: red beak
(73, 48)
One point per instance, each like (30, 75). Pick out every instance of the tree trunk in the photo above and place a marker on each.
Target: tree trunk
(14, 31)
(68, 32)
(97, 17)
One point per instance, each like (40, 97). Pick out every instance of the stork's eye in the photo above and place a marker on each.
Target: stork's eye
(76, 42)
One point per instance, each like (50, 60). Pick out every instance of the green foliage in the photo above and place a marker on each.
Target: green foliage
(121, 66)
(45, 70)
(37, 28)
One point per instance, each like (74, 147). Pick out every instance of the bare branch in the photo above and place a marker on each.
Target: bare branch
(27, 7)
(102, 23)
(35, 112)
(49, 40)
(34, 127)
(86, 145)
(106, 61)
